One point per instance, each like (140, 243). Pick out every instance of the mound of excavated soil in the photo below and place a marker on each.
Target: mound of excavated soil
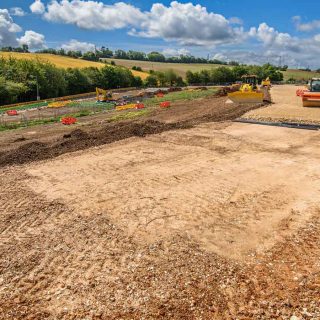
(182, 115)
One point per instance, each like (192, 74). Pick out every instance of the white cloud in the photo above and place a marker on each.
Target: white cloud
(306, 27)
(236, 20)
(184, 23)
(221, 56)
(33, 39)
(37, 7)
(188, 24)
(16, 11)
(271, 38)
(75, 45)
(8, 29)
(93, 15)
(171, 52)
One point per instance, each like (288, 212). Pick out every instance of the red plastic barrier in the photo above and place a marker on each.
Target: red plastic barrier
(165, 104)
(300, 92)
(140, 106)
(12, 112)
(68, 121)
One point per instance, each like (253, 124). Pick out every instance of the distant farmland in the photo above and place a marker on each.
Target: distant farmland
(61, 61)
(182, 68)
(179, 68)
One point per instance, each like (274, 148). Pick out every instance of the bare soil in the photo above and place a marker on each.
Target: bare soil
(286, 107)
(200, 220)
(22, 147)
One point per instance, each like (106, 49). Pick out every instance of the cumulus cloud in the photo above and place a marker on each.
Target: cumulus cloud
(272, 38)
(187, 24)
(184, 23)
(75, 45)
(8, 29)
(37, 7)
(33, 39)
(93, 15)
(16, 11)
(171, 52)
(306, 27)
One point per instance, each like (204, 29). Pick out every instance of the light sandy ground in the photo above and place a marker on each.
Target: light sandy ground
(229, 189)
(286, 107)
(220, 221)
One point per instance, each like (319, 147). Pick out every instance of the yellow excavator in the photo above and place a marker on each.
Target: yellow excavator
(103, 95)
(248, 92)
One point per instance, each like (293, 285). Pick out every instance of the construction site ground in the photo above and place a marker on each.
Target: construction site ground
(186, 217)
(286, 106)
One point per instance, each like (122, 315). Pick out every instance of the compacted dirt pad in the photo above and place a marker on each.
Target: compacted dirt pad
(286, 107)
(218, 221)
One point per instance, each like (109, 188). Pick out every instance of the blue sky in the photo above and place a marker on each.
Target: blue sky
(226, 29)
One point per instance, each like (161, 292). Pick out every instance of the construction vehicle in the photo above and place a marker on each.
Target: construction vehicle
(103, 95)
(266, 83)
(311, 97)
(248, 92)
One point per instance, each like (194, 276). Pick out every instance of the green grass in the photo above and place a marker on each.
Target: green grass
(31, 123)
(300, 75)
(26, 107)
(130, 115)
(91, 104)
(179, 68)
(181, 95)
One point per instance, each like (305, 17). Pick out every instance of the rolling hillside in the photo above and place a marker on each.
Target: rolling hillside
(179, 68)
(61, 61)
(182, 68)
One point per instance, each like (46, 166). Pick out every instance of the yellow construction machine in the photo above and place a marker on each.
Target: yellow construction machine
(248, 92)
(266, 83)
(103, 95)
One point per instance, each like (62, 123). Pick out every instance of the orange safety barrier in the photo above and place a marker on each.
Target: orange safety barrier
(140, 106)
(68, 120)
(12, 112)
(165, 104)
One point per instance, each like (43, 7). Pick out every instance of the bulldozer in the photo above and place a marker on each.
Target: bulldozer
(103, 95)
(248, 92)
(311, 97)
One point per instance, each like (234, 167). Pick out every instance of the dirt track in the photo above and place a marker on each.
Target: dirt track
(216, 221)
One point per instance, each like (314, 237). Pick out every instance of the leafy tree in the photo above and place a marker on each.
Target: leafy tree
(151, 81)
(156, 57)
(120, 54)
(10, 91)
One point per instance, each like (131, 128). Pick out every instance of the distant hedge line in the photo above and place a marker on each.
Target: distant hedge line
(222, 75)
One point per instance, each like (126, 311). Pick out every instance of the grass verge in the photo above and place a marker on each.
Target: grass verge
(181, 95)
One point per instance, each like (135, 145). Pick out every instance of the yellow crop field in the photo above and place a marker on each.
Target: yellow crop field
(62, 62)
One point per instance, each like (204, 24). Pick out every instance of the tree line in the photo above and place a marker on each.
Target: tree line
(154, 56)
(222, 75)
(19, 80)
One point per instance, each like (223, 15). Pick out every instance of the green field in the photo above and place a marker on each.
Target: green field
(179, 68)
(182, 68)
(300, 75)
